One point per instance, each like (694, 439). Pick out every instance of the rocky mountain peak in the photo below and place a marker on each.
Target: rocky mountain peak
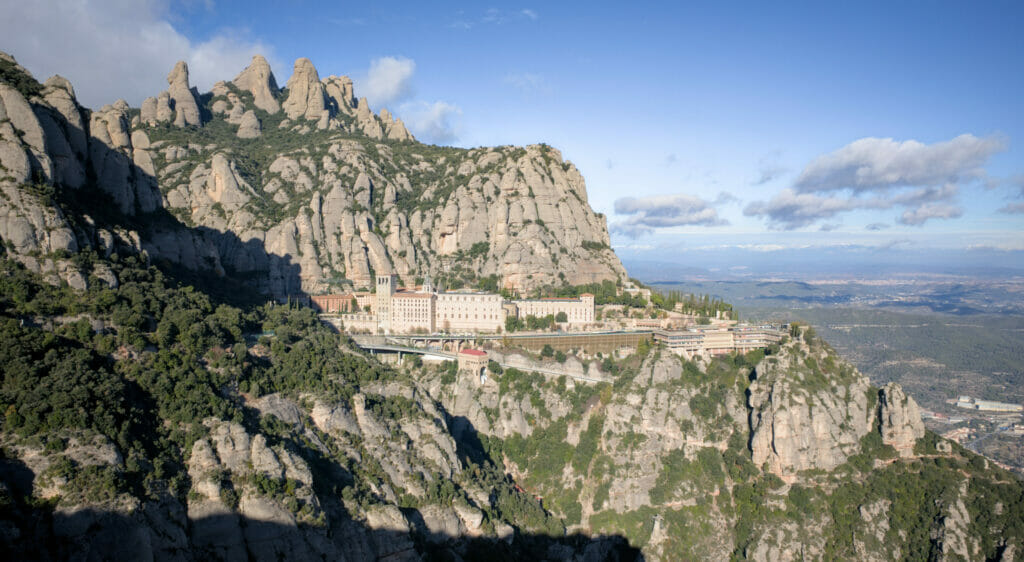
(314, 214)
(178, 75)
(305, 92)
(258, 79)
(339, 89)
(59, 82)
(179, 102)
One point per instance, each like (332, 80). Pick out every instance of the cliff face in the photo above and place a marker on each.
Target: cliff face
(791, 456)
(296, 190)
(804, 419)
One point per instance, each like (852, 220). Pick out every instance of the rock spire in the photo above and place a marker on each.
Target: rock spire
(258, 79)
(186, 105)
(305, 92)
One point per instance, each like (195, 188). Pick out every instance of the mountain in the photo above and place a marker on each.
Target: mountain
(156, 406)
(301, 189)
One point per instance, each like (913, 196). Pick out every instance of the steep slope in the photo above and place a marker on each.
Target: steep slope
(302, 189)
(138, 426)
(781, 457)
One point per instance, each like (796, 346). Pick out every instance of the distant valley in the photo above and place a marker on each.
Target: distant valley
(939, 336)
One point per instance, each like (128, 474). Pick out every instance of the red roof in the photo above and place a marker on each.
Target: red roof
(477, 352)
(587, 295)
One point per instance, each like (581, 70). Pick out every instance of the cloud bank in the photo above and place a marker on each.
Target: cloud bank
(388, 81)
(871, 173)
(116, 49)
(438, 122)
(659, 211)
(873, 164)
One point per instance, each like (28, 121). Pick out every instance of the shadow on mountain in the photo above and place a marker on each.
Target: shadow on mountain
(162, 530)
(220, 263)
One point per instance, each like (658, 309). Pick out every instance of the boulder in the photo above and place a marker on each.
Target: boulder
(249, 127)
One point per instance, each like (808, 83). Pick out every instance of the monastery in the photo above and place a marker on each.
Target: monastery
(390, 310)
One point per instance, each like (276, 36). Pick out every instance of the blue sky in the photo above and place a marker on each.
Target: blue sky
(822, 127)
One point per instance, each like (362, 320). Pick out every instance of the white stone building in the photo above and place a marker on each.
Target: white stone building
(577, 311)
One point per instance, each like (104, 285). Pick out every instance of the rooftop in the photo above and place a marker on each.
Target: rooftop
(476, 352)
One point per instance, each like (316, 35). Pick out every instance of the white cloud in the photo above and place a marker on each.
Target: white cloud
(878, 174)
(659, 211)
(789, 209)
(117, 48)
(389, 80)
(437, 122)
(877, 226)
(919, 215)
(874, 164)
(529, 14)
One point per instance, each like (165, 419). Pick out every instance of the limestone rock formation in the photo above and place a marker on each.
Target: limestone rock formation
(258, 79)
(366, 121)
(394, 129)
(66, 136)
(184, 97)
(797, 426)
(305, 92)
(341, 212)
(900, 419)
(340, 95)
(249, 126)
(127, 174)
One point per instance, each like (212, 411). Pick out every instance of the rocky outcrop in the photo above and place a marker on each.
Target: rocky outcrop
(258, 79)
(343, 212)
(340, 95)
(394, 129)
(66, 136)
(249, 126)
(305, 93)
(183, 96)
(899, 419)
(800, 421)
(366, 121)
(127, 174)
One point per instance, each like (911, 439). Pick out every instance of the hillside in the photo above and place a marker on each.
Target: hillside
(157, 407)
(299, 189)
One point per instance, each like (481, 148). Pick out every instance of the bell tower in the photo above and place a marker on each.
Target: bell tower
(385, 289)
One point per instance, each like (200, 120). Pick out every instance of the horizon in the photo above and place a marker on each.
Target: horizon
(874, 136)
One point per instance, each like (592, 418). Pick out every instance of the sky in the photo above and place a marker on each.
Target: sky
(852, 133)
